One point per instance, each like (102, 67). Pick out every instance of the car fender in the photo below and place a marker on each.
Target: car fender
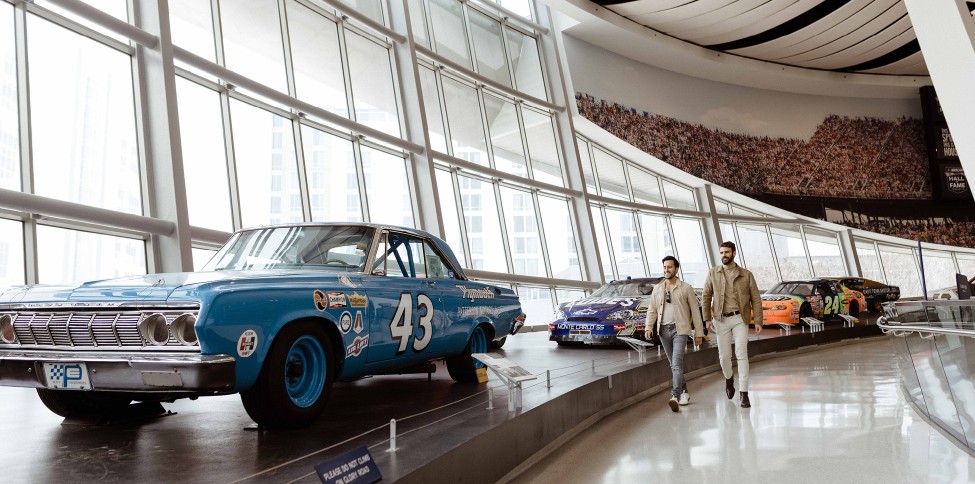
(238, 327)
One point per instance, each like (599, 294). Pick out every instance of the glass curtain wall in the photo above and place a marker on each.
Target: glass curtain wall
(316, 131)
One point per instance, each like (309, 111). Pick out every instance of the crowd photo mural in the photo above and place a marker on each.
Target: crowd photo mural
(861, 158)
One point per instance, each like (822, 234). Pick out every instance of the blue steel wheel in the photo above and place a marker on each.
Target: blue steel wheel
(304, 372)
(463, 367)
(295, 380)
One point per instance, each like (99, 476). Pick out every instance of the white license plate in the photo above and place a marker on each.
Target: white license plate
(73, 376)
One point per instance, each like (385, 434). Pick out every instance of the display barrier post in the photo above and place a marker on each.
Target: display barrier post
(814, 324)
(639, 345)
(510, 373)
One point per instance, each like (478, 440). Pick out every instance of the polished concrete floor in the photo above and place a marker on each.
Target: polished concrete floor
(829, 416)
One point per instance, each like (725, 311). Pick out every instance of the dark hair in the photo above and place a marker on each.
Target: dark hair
(730, 245)
(670, 257)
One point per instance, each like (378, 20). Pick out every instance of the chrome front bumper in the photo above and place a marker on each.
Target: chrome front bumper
(137, 372)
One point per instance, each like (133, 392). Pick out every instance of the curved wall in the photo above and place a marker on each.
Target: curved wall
(728, 107)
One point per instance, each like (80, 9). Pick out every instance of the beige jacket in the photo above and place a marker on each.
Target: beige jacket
(683, 300)
(749, 299)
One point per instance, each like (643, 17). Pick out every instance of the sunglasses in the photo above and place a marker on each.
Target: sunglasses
(668, 296)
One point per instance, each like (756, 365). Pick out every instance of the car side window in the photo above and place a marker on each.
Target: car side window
(407, 256)
(435, 267)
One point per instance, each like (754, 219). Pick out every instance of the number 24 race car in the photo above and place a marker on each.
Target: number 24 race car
(789, 301)
(278, 315)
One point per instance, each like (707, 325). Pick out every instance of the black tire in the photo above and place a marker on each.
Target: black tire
(877, 305)
(854, 309)
(805, 310)
(498, 343)
(74, 403)
(294, 358)
(463, 368)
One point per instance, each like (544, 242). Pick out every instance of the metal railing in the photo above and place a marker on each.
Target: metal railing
(933, 341)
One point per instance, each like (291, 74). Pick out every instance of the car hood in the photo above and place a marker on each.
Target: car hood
(599, 306)
(150, 287)
(781, 297)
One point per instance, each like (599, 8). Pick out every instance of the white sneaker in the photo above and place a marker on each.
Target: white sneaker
(673, 404)
(685, 398)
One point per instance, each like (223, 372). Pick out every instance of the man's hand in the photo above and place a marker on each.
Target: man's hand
(758, 329)
(698, 340)
(648, 334)
(710, 325)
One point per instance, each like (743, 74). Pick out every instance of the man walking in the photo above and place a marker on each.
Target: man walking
(732, 294)
(673, 308)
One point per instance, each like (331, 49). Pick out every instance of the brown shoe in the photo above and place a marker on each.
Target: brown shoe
(729, 387)
(744, 400)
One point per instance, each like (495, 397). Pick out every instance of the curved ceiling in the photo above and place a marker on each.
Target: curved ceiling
(856, 36)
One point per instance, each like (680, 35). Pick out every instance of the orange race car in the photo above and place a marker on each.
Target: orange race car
(789, 301)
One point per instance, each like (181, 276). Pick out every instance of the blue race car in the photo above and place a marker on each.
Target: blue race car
(278, 315)
(615, 309)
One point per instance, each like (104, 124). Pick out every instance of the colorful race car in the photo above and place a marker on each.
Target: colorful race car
(616, 308)
(787, 302)
(876, 293)
(278, 314)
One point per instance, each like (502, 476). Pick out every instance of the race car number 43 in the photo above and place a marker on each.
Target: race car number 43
(73, 376)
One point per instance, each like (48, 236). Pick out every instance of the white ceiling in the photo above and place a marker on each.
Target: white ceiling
(836, 47)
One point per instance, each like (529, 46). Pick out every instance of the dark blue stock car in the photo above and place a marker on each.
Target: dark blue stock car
(278, 315)
(615, 309)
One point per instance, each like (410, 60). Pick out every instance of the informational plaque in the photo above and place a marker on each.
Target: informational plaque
(353, 467)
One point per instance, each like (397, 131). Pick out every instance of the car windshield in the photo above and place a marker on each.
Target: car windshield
(623, 289)
(798, 288)
(334, 248)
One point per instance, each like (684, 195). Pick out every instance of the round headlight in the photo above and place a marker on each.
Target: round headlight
(184, 329)
(7, 334)
(153, 329)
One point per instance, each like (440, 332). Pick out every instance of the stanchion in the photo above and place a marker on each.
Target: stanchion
(610, 382)
(548, 379)
(593, 367)
(392, 435)
(490, 398)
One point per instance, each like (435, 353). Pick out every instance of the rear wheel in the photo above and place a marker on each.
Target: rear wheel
(877, 305)
(854, 309)
(805, 310)
(70, 403)
(296, 378)
(463, 367)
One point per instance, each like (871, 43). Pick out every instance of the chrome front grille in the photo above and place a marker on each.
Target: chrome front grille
(103, 329)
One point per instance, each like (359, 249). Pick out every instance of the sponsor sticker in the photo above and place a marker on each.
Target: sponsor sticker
(358, 344)
(345, 322)
(357, 327)
(346, 280)
(337, 300)
(357, 300)
(320, 300)
(585, 312)
(247, 343)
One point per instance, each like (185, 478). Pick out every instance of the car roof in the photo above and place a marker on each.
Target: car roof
(636, 279)
(440, 243)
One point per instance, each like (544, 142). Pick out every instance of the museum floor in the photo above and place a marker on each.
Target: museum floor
(830, 416)
(833, 414)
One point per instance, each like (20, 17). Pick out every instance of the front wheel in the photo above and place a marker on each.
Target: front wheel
(463, 367)
(296, 378)
(498, 343)
(805, 311)
(72, 403)
(877, 305)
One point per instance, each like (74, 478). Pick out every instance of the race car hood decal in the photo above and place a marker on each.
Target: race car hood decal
(599, 307)
(781, 297)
